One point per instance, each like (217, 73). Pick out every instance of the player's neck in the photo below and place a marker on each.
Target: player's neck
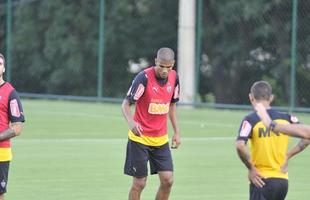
(1, 81)
(162, 81)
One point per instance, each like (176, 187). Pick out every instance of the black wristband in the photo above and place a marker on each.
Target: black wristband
(272, 125)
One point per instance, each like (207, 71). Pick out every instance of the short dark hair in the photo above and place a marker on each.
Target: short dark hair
(2, 56)
(165, 54)
(261, 90)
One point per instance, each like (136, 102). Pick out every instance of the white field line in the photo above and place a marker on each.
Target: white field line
(114, 140)
(201, 124)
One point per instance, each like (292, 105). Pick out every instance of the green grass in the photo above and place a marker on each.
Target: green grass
(74, 150)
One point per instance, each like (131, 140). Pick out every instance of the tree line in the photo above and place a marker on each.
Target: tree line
(55, 46)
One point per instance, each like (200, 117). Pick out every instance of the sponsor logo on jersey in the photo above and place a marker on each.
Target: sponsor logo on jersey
(245, 129)
(3, 184)
(139, 92)
(14, 108)
(294, 119)
(158, 108)
(169, 88)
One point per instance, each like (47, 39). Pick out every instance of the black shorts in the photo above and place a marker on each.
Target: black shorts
(4, 172)
(274, 189)
(138, 155)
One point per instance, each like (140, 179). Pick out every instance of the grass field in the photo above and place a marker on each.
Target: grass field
(74, 150)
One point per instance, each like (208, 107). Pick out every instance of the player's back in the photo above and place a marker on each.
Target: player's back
(268, 148)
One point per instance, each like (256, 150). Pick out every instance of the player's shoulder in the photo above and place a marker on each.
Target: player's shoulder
(278, 115)
(252, 118)
(141, 76)
(7, 87)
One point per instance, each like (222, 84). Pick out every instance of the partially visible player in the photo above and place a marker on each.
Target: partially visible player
(268, 148)
(11, 119)
(154, 92)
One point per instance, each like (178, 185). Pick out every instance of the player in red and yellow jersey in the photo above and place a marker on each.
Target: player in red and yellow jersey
(154, 92)
(11, 119)
(268, 155)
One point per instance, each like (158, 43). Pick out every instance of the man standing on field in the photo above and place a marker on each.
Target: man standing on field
(154, 92)
(11, 119)
(267, 160)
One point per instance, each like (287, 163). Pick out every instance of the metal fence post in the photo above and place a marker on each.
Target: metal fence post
(100, 49)
(8, 39)
(293, 54)
(199, 11)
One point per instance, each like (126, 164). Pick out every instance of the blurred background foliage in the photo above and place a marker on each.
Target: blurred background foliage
(55, 46)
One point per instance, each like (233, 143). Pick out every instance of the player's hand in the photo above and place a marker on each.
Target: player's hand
(176, 141)
(262, 113)
(256, 178)
(136, 128)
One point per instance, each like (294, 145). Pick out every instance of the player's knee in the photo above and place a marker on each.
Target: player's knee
(139, 184)
(167, 182)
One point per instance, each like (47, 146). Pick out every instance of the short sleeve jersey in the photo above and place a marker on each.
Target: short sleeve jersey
(153, 98)
(268, 148)
(10, 111)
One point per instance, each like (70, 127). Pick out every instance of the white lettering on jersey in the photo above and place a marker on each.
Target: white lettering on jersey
(14, 108)
(139, 92)
(245, 129)
(158, 108)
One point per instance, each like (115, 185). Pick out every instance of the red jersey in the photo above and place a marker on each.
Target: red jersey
(153, 98)
(10, 111)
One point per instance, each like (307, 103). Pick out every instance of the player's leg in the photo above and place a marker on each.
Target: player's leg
(256, 193)
(137, 186)
(161, 163)
(136, 166)
(4, 171)
(166, 182)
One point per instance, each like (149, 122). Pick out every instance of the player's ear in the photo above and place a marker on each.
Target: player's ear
(251, 97)
(3, 70)
(271, 98)
(156, 61)
(173, 63)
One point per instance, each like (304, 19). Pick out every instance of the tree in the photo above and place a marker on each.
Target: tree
(245, 42)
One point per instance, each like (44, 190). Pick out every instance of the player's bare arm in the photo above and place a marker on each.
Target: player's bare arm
(243, 153)
(244, 156)
(302, 144)
(296, 130)
(14, 130)
(133, 126)
(176, 138)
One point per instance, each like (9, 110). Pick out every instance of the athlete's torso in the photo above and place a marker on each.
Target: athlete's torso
(10, 111)
(268, 149)
(152, 106)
